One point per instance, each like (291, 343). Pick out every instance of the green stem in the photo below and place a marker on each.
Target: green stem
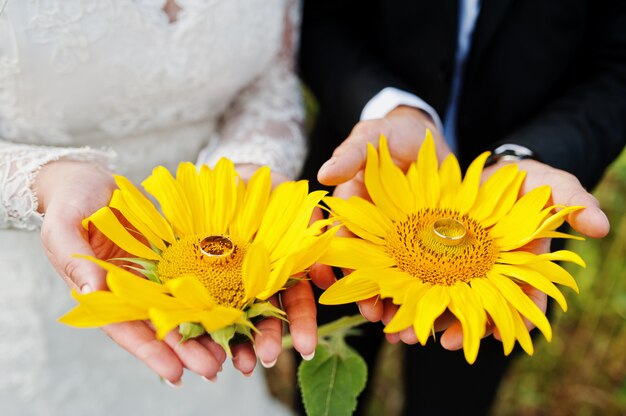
(340, 325)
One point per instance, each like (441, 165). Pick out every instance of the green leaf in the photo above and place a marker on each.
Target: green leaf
(333, 380)
(190, 330)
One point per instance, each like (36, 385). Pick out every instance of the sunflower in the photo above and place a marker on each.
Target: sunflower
(432, 242)
(214, 257)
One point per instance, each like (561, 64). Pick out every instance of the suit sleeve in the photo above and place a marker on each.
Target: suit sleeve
(338, 58)
(584, 129)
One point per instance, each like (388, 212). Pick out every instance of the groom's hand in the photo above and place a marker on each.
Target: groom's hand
(405, 129)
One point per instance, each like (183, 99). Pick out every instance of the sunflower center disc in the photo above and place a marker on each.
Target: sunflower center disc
(216, 261)
(441, 246)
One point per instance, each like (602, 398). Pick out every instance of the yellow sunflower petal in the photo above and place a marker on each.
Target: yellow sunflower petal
(427, 171)
(293, 235)
(312, 249)
(283, 209)
(143, 208)
(492, 191)
(173, 202)
(470, 312)
(555, 273)
(432, 304)
(406, 314)
(516, 297)
(188, 290)
(393, 180)
(498, 310)
(353, 253)
(105, 220)
(375, 187)
(278, 277)
(524, 257)
(362, 213)
(394, 283)
(471, 182)
(521, 332)
(255, 270)
(254, 204)
(101, 308)
(166, 320)
(118, 202)
(352, 288)
(533, 278)
(450, 179)
(189, 181)
(506, 201)
(220, 317)
(523, 219)
(225, 203)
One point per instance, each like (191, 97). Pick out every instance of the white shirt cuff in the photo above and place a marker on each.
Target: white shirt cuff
(389, 98)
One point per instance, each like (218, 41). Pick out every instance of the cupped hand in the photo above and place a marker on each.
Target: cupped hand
(69, 191)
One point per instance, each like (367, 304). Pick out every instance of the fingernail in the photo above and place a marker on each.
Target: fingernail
(86, 288)
(248, 374)
(211, 379)
(174, 384)
(308, 357)
(220, 370)
(269, 364)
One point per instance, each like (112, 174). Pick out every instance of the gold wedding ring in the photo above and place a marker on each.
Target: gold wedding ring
(217, 246)
(449, 232)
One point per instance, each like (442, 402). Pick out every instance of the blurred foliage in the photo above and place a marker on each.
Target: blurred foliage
(583, 370)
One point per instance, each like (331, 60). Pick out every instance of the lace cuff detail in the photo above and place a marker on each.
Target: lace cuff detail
(19, 165)
(264, 126)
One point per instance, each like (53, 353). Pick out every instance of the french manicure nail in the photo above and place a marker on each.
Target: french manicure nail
(269, 364)
(308, 357)
(248, 374)
(174, 384)
(211, 379)
(86, 288)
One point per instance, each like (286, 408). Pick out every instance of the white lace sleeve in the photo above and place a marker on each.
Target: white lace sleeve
(19, 164)
(264, 125)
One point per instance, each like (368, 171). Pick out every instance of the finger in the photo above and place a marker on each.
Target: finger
(349, 157)
(452, 338)
(268, 342)
(539, 298)
(138, 339)
(194, 355)
(444, 321)
(63, 237)
(244, 358)
(591, 221)
(389, 310)
(322, 275)
(217, 351)
(353, 187)
(299, 304)
(371, 309)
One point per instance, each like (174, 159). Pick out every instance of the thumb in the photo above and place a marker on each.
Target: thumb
(63, 238)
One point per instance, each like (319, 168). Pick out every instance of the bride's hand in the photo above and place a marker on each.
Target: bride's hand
(299, 304)
(69, 191)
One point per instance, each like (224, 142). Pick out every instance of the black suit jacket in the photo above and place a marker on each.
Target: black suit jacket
(546, 74)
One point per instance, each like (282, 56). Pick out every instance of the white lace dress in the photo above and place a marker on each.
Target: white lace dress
(123, 83)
